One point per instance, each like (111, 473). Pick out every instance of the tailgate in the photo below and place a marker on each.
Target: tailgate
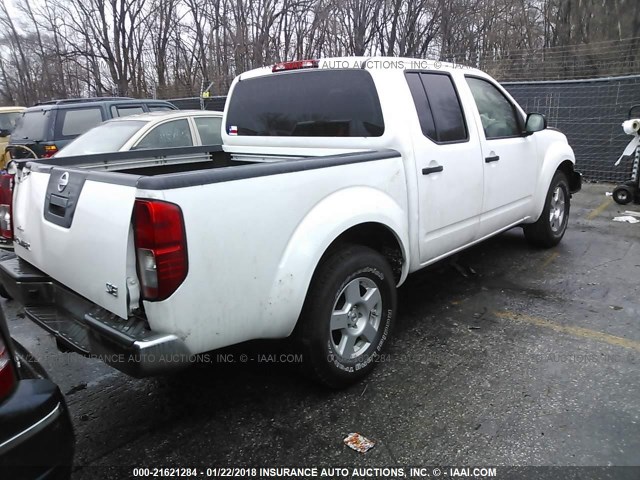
(74, 225)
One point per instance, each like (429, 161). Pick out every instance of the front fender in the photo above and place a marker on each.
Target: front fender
(556, 154)
(330, 218)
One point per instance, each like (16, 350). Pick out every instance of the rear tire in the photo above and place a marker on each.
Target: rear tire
(552, 224)
(347, 316)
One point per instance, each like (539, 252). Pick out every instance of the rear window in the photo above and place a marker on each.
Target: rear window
(108, 137)
(71, 123)
(32, 126)
(319, 103)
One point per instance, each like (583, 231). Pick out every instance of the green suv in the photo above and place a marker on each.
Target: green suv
(44, 129)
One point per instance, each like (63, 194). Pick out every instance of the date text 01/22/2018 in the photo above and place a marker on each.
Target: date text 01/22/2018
(310, 472)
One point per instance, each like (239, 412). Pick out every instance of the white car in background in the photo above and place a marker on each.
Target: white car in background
(153, 130)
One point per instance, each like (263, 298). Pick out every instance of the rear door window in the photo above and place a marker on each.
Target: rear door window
(175, 133)
(438, 106)
(307, 103)
(126, 110)
(74, 122)
(209, 130)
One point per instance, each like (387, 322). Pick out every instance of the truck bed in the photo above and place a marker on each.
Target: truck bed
(74, 231)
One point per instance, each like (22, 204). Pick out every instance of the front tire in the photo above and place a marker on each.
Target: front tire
(552, 224)
(347, 316)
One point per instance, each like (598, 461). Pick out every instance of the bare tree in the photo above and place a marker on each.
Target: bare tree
(62, 48)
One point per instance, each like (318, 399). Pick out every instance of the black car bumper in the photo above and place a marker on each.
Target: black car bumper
(36, 439)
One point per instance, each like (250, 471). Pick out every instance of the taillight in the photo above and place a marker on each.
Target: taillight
(161, 248)
(7, 374)
(49, 151)
(297, 65)
(6, 205)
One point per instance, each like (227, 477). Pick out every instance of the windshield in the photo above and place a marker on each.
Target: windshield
(8, 120)
(106, 137)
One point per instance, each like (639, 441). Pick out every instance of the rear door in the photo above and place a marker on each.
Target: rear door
(74, 225)
(72, 122)
(447, 156)
(175, 133)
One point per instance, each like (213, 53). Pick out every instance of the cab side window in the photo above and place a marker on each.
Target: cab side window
(210, 130)
(74, 122)
(438, 107)
(126, 110)
(499, 116)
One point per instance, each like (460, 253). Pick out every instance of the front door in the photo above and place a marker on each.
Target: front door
(510, 158)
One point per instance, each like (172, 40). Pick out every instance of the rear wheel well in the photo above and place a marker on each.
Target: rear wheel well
(376, 236)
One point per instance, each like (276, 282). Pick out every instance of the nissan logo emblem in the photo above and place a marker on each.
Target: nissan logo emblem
(64, 180)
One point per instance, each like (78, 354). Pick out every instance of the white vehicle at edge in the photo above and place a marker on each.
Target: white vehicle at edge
(333, 185)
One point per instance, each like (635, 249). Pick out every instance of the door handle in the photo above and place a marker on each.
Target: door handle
(430, 170)
(495, 158)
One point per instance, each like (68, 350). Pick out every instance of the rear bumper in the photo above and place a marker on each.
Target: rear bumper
(81, 326)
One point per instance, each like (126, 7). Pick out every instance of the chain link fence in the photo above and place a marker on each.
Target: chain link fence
(215, 103)
(588, 112)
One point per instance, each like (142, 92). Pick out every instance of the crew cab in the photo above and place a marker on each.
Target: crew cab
(336, 179)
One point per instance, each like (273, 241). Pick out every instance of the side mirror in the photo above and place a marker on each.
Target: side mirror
(4, 132)
(535, 122)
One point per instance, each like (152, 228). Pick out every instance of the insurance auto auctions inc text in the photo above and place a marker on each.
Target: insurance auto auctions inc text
(376, 472)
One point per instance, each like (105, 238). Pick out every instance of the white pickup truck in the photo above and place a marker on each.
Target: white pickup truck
(336, 180)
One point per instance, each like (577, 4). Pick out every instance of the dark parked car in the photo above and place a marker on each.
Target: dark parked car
(36, 437)
(44, 129)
